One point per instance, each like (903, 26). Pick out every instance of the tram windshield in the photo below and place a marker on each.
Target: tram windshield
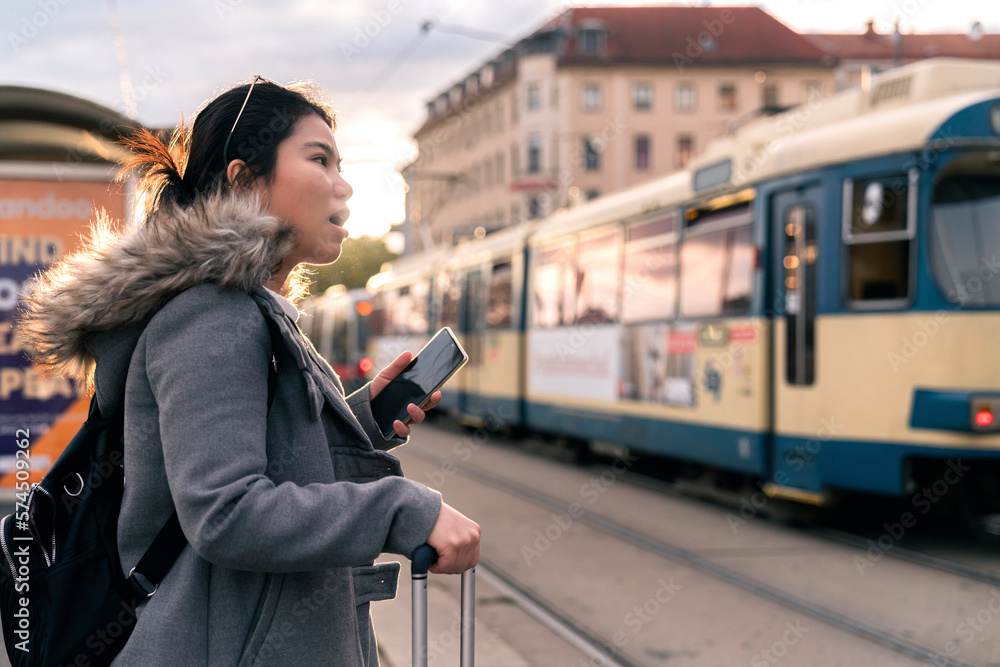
(965, 233)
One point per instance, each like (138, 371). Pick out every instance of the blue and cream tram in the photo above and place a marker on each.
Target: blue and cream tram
(813, 303)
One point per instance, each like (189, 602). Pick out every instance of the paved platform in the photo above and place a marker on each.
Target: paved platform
(393, 624)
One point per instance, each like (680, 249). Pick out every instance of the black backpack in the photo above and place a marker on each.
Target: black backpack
(63, 598)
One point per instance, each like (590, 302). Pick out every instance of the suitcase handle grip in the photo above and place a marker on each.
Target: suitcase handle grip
(423, 557)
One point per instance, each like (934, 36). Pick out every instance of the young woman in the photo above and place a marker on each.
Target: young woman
(284, 507)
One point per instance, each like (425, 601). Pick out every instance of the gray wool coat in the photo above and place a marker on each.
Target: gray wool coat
(284, 510)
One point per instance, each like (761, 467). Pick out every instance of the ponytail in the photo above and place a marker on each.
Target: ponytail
(159, 169)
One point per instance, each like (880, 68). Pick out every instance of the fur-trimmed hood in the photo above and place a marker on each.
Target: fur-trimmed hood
(123, 275)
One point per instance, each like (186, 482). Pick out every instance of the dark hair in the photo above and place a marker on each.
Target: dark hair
(191, 165)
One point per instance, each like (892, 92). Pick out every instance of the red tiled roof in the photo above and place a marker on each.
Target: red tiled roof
(656, 34)
(872, 45)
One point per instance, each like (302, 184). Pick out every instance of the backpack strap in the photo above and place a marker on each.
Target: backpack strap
(168, 544)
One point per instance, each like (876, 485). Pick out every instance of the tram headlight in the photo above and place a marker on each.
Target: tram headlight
(983, 414)
(995, 118)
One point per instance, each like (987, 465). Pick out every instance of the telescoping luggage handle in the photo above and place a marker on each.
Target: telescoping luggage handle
(423, 557)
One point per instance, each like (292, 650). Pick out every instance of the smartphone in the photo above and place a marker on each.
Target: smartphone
(426, 373)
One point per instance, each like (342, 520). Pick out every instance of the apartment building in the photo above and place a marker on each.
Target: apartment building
(602, 98)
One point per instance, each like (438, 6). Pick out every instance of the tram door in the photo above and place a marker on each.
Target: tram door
(473, 325)
(795, 220)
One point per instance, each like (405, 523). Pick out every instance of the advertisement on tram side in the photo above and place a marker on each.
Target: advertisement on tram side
(41, 220)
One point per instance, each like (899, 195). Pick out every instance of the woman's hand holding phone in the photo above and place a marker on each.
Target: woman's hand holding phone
(417, 413)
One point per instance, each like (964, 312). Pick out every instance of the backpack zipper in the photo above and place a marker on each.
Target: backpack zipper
(3, 543)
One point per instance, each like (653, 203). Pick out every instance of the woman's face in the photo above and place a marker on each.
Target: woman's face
(307, 191)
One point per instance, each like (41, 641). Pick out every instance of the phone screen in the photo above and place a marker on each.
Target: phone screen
(424, 375)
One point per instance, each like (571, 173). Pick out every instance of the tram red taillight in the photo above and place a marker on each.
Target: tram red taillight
(365, 365)
(982, 413)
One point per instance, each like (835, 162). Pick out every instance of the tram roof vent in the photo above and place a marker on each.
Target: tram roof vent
(893, 89)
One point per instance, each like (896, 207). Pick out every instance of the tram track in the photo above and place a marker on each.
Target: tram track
(589, 643)
(857, 540)
(690, 559)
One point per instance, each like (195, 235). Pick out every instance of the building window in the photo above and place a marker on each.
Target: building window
(592, 97)
(813, 88)
(593, 41)
(685, 148)
(534, 97)
(727, 97)
(642, 152)
(515, 162)
(592, 193)
(770, 100)
(642, 96)
(591, 154)
(534, 154)
(534, 207)
(501, 176)
(687, 96)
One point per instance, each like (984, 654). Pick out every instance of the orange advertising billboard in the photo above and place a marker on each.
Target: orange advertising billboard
(40, 221)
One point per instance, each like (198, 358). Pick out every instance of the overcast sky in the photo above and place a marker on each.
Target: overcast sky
(182, 52)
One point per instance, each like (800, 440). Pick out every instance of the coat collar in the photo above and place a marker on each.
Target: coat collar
(322, 384)
(124, 274)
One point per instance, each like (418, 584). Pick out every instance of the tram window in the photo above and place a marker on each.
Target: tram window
(656, 227)
(878, 229)
(381, 317)
(501, 302)
(799, 262)
(597, 279)
(409, 313)
(878, 271)
(449, 294)
(650, 285)
(965, 239)
(716, 273)
(878, 205)
(739, 276)
(339, 338)
(554, 286)
(703, 259)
